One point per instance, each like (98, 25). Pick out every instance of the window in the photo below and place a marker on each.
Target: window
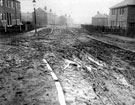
(4, 16)
(9, 21)
(0, 16)
(121, 11)
(12, 4)
(5, 3)
(112, 23)
(17, 5)
(13, 16)
(113, 12)
(9, 4)
(121, 23)
(132, 25)
(1, 2)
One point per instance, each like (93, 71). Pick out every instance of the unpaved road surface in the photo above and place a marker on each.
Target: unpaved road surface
(91, 72)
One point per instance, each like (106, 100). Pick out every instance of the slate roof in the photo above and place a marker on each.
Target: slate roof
(16, 0)
(99, 15)
(46, 11)
(124, 3)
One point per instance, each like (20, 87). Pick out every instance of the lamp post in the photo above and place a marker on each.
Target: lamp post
(35, 21)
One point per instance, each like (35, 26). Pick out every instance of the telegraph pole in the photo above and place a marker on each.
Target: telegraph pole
(35, 20)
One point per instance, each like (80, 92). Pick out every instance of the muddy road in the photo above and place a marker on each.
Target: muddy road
(91, 72)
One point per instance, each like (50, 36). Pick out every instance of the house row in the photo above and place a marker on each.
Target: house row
(46, 17)
(11, 16)
(121, 15)
(10, 13)
(43, 17)
(100, 19)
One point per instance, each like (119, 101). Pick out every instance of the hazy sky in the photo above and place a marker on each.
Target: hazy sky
(80, 10)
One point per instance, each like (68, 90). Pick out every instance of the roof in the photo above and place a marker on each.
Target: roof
(42, 9)
(16, 1)
(124, 3)
(99, 15)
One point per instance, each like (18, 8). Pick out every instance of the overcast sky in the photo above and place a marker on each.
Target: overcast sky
(80, 10)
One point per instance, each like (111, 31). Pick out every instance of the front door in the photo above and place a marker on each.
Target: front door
(131, 28)
(9, 21)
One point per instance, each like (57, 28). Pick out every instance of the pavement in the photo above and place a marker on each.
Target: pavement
(121, 37)
(120, 41)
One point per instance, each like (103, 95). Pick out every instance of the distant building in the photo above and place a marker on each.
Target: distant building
(45, 17)
(62, 21)
(51, 18)
(27, 21)
(123, 15)
(10, 13)
(26, 17)
(41, 17)
(100, 20)
(69, 21)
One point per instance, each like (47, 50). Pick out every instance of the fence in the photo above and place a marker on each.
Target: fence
(110, 30)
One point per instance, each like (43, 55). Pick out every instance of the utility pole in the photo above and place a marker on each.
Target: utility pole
(35, 21)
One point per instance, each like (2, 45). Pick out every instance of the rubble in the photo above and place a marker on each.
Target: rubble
(24, 77)
(91, 72)
(96, 67)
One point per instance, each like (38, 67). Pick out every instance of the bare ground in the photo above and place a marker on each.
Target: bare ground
(91, 72)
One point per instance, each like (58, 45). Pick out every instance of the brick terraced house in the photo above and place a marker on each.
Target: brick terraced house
(123, 15)
(44, 17)
(10, 13)
(100, 19)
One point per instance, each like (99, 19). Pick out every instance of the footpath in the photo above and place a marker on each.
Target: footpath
(120, 41)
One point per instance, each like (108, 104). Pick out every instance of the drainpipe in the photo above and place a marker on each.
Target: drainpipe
(15, 14)
(4, 18)
(20, 21)
(116, 17)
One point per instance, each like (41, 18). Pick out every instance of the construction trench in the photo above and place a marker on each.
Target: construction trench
(66, 66)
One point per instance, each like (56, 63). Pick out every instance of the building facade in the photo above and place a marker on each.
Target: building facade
(41, 17)
(100, 20)
(62, 21)
(51, 18)
(44, 17)
(123, 15)
(69, 21)
(10, 13)
(26, 17)
(27, 21)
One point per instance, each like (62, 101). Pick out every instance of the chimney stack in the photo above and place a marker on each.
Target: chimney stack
(45, 8)
(50, 10)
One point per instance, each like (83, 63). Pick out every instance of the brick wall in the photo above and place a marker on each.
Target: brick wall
(131, 21)
(122, 18)
(131, 14)
(41, 16)
(119, 19)
(11, 11)
(100, 21)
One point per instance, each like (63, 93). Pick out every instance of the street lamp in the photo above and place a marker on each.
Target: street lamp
(35, 21)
